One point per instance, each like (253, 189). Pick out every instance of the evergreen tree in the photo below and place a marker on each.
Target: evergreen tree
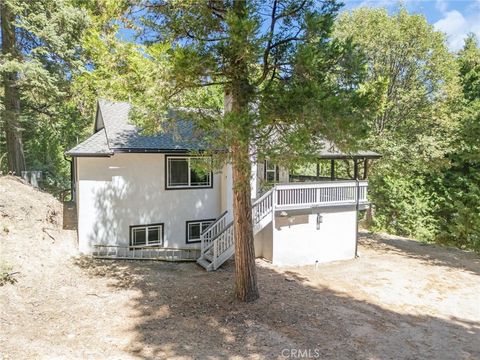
(286, 85)
(459, 213)
(40, 54)
(418, 121)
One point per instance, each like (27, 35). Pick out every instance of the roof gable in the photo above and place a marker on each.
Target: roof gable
(123, 136)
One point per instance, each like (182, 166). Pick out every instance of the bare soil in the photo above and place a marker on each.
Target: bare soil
(400, 299)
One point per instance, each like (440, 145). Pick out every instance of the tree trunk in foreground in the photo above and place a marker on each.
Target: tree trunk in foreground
(11, 113)
(245, 272)
(240, 91)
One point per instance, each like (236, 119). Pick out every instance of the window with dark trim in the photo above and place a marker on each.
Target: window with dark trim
(271, 171)
(146, 235)
(185, 172)
(195, 228)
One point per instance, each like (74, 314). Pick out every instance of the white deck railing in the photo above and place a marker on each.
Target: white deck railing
(333, 193)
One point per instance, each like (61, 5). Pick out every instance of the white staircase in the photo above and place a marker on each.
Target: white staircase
(218, 243)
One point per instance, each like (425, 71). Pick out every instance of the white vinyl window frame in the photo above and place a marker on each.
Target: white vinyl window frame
(151, 228)
(189, 184)
(203, 224)
(271, 169)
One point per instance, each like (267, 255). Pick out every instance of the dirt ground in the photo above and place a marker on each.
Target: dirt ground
(399, 300)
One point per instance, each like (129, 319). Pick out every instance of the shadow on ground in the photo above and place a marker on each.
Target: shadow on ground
(430, 253)
(183, 311)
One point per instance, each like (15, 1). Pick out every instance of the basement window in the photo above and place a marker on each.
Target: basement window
(195, 228)
(186, 172)
(146, 235)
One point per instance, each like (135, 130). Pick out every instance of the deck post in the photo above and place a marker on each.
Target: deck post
(355, 169)
(356, 216)
(332, 169)
(365, 169)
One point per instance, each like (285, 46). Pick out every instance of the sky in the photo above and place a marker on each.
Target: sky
(456, 18)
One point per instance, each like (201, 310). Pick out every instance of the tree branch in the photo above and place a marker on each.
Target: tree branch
(271, 33)
(266, 53)
(192, 36)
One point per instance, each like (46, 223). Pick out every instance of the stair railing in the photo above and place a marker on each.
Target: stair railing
(213, 231)
(221, 245)
(262, 206)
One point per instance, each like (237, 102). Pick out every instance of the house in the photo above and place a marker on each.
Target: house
(140, 196)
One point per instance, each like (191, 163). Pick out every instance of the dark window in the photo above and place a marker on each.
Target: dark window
(188, 172)
(146, 235)
(178, 172)
(195, 228)
(199, 176)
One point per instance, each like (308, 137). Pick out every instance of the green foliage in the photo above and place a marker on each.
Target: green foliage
(404, 206)
(303, 85)
(410, 59)
(459, 186)
(417, 125)
(48, 34)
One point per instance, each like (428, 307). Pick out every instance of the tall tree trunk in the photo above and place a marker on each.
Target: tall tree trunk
(11, 113)
(240, 91)
(245, 272)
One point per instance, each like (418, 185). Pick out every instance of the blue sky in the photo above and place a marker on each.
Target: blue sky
(456, 18)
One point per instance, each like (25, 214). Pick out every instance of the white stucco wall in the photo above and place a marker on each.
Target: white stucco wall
(263, 242)
(129, 189)
(297, 241)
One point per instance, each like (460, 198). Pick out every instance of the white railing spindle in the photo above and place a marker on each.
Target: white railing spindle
(320, 194)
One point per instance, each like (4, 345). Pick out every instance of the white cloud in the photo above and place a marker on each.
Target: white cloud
(457, 26)
(441, 5)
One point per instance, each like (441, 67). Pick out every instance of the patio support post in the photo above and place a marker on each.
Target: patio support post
(365, 169)
(332, 169)
(355, 169)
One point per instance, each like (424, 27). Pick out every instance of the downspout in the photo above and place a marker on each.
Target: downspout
(71, 177)
(357, 207)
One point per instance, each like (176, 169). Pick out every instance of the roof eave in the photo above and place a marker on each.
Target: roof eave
(76, 154)
(347, 156)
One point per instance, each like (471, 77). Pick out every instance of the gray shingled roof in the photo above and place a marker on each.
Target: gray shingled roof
(115, 133)
(95, 145)
(122, 136)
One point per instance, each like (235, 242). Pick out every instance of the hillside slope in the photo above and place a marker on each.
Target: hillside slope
(48, 313)
(31, 227)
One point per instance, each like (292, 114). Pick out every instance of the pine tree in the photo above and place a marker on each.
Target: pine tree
(40, 54)
(286, 85)
(11, 97)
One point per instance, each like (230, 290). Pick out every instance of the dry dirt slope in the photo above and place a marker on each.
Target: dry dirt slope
(399, 300)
